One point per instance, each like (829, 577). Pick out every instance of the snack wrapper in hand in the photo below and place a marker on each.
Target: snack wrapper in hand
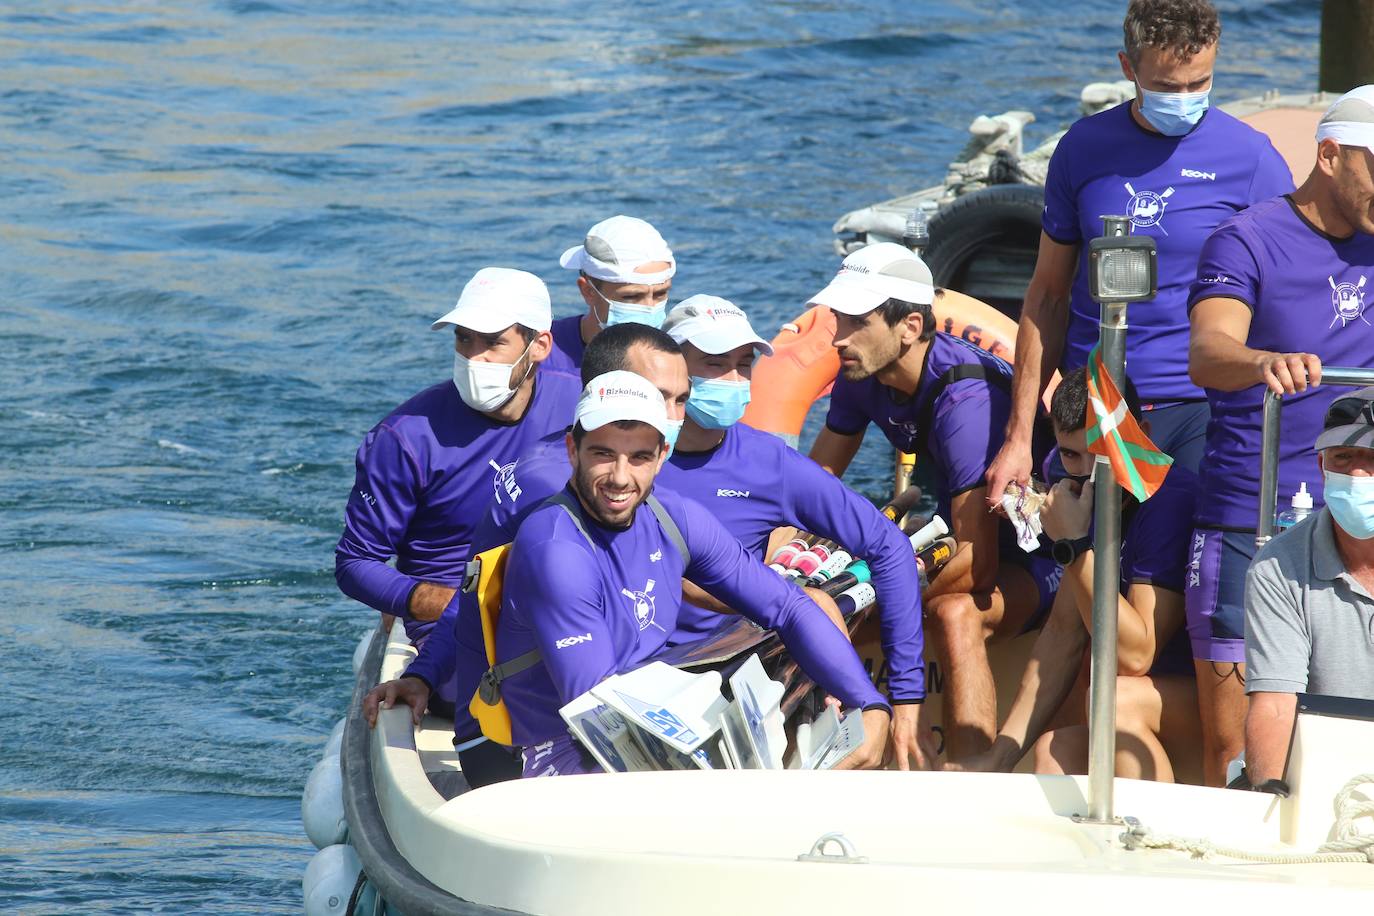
(1022, 504)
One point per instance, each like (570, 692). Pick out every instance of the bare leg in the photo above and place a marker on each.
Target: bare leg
(1221, 708)
(960, 626)
(1139, 753)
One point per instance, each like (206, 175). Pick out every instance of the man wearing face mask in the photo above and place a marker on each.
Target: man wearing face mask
(1308, 611)
(753, 483)
(1177, 168)
(624, 272)
(454, 656)
(1280, 290)
(426, 471)
(591, 583)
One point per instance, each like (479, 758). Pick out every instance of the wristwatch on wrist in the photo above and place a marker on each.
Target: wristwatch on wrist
(1066, 550)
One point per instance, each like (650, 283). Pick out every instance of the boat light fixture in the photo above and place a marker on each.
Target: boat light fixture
(1121, 267)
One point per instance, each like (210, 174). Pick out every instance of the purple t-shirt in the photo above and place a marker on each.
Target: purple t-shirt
(968, 421)
(753, 482)
(1307, 292)
(1176, 190)
(424, 476)
(568, 347)
(594, 611)
(1154, 551)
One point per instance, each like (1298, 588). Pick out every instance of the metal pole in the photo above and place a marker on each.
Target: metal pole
(1269, 467)
(1106, 575)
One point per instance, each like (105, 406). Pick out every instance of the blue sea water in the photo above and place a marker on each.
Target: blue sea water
(224, 227)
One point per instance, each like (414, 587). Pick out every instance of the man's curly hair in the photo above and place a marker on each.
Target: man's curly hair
(1181, 27)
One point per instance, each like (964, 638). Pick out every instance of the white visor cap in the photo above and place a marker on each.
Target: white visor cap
(621, 395)
(498, 297)
(1350, 119)
(712, 325)
(615, 247)
(874, 274)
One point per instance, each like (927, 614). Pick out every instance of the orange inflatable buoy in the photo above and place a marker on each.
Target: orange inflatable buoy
(804, 363)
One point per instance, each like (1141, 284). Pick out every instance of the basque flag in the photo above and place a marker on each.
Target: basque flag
(1139, 466)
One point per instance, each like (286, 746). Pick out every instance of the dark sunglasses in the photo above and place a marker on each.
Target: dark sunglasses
(1348, 410)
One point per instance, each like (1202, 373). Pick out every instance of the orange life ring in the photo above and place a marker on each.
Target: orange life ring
(804, 362)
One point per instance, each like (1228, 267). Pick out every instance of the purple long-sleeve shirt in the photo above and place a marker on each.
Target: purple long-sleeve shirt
(424, 476)
(594, 611)
(753, 483)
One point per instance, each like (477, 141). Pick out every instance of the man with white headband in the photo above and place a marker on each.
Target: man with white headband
(426, 471)
(624, 271)
(591, 582)
(1281, 289)
(947, 401)
(753, 483)
(1177, 168)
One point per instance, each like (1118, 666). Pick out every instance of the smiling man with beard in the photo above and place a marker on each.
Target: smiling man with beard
(592, 582)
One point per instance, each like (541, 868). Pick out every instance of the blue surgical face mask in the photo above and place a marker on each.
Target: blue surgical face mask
(629, 313)
(674, 430)
(1351, 501)
(1173, 114)
(716, 403)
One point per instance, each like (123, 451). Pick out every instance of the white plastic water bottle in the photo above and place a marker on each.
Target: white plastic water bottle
(1300, 508)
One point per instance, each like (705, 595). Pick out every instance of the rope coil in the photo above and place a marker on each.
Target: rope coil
(1349, 844)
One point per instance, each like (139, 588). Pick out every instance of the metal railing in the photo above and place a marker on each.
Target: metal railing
(1347, 376)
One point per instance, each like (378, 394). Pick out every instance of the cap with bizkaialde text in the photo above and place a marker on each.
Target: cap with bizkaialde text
(1350, 119)
(498, 297)
(712, 325)
(616, 248)
(1349, 421)
(874, 274)
(621, 395)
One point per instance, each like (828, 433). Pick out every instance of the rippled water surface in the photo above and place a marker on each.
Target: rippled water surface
(224, 227)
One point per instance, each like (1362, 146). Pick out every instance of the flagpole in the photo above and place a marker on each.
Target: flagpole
(1106, 573)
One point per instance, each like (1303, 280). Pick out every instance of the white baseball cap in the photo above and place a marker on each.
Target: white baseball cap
(621, 395)
(712, 325)
(615, 247)
(874, 274)
(1350, 119)
(498, 297)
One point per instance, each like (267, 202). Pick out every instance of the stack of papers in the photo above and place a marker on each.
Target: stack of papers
(660, 718)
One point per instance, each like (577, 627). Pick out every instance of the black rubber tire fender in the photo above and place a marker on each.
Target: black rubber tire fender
(1010, 212)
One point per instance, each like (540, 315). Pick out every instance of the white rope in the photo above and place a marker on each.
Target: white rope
(1349, 844)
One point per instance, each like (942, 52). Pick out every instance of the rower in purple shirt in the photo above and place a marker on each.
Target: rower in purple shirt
(592, 583)
(1177, 168)
(946, 401)
(1280, 290)
(624, 272)
(754, 483)
(454, 655)
(426, 472)
(1157, 720)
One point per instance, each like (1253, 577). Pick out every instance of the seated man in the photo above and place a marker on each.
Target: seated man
(1309, 617)
(427, 470)
(588, 567)
(454, 656)
(753, 482)
(624, 271)
(946, 401)
(1159, 732)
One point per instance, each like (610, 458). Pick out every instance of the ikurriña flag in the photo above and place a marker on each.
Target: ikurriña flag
(1139, 466)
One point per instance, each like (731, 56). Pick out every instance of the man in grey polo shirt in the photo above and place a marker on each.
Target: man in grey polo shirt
(1309, 596)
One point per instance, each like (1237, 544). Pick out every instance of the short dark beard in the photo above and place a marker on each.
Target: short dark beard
(586, 494)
